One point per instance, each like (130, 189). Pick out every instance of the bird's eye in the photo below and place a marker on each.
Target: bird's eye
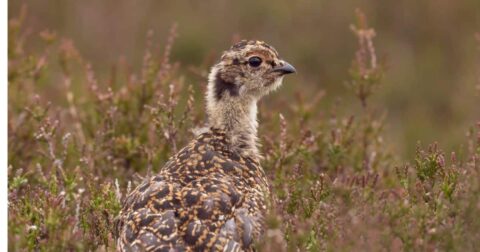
(255, 61)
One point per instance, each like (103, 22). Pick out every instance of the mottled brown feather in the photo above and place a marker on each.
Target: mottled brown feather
(206, 198)
(211, 195)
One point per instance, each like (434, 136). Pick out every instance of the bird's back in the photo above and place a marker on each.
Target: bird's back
(206, 198)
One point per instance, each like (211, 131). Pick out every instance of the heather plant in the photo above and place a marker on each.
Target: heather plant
(72, 160)
(79, 139)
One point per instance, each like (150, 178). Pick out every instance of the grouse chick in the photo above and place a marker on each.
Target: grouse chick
(211, 195)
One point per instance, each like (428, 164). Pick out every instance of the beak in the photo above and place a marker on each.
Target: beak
(284, 68)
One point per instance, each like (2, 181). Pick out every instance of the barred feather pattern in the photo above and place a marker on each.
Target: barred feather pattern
(207, 197)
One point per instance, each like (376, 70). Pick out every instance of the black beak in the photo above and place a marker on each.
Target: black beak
(285, 68)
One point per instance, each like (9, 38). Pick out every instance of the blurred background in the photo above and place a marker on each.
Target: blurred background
(429, 93)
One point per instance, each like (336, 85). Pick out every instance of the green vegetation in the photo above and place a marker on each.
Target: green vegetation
(80, 139)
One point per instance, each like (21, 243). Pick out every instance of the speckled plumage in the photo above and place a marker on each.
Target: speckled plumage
(211, 195)
(205, 197)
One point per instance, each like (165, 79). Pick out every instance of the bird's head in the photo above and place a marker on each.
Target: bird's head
(247, 71)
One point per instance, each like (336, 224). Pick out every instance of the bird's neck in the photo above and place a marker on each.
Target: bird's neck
(238, 118)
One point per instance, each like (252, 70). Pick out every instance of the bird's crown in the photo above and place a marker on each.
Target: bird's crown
(249, 68)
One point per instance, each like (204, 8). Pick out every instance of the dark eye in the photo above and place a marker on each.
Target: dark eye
(255, 61)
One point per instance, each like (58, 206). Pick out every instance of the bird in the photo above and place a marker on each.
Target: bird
(211, 195)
